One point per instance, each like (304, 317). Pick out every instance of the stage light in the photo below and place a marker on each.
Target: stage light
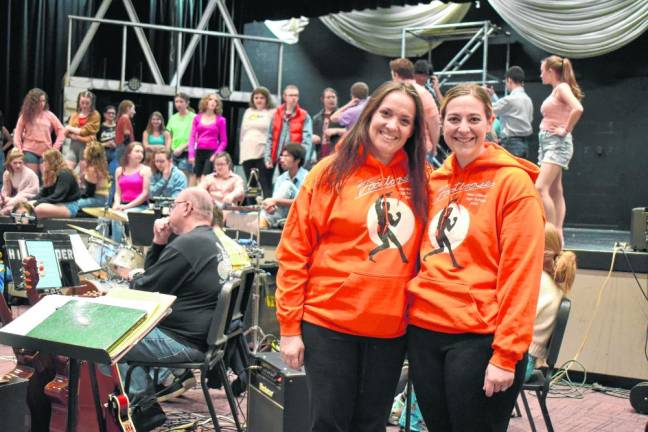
(225, 92)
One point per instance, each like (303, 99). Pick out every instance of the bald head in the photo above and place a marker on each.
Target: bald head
(200, 201)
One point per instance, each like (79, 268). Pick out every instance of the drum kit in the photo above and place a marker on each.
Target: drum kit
(118, 259)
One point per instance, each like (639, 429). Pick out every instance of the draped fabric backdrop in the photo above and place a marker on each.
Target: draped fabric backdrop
(576, 28)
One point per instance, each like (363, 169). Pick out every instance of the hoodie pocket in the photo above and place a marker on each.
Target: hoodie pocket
(448, 304)
(364, 304)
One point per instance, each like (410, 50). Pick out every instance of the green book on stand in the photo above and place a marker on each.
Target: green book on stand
(88, 324)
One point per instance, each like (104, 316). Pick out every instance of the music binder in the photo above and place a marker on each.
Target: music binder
(88, 324)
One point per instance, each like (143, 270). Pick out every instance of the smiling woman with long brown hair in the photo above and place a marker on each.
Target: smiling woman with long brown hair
(347, 251)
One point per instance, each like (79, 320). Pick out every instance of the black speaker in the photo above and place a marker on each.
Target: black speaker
(278, 397)
(639, 397)
(13, 405)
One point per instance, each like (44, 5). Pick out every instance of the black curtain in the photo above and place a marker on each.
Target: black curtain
(34, 33)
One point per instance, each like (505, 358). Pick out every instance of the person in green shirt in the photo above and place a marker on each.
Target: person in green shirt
(180, 126)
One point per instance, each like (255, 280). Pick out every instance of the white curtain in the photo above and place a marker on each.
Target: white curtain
(379, 30)
(576, 28)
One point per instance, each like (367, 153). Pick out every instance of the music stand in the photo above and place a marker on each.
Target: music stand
(141, 228)
(62, 247)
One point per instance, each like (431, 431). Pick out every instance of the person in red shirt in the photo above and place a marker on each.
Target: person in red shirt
(472, 304)
(346, 254)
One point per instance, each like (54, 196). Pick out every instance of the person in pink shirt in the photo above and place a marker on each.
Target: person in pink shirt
(208, 135)
(224, 186)
(560, 113)
(19, 184)
(36, 124)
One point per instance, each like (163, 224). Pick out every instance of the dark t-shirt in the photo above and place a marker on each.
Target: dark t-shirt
(64, 190)
(189, 267)
(106, 133)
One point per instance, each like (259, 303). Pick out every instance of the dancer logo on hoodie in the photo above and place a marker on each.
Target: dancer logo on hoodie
(390, 223)
(447, 230)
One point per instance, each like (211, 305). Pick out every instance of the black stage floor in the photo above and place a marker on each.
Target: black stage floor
(594, 249)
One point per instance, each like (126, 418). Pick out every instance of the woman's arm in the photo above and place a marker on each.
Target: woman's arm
(6, 185)
(221, 125)
(18, 132)
(193, 137)
(117, 198)
(167, 140)
(58, 129)
(564, 93)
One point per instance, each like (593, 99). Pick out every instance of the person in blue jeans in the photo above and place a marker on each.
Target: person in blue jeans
(189, 268)
(95, 177)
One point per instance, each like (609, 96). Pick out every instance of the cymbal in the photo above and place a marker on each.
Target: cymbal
(93, 233)
(101, 212)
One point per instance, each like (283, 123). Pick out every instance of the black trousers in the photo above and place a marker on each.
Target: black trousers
(265, 175)
(351, 379)
(448, 374)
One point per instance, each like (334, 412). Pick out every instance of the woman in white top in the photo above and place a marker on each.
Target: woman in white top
(19, 183)
(254, 133)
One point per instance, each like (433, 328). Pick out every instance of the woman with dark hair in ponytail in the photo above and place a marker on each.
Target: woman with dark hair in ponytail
(560, 113)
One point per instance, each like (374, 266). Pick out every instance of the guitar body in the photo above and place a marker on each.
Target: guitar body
(54, 388)
(113, 400)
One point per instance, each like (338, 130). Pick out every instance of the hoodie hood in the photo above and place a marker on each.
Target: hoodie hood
(493, 156)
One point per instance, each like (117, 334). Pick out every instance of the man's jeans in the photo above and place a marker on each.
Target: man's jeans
(517, 146)
(156, 346)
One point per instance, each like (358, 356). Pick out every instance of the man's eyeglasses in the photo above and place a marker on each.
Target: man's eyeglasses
(175, 203)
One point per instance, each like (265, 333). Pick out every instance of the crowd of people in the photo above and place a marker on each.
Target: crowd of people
(381, 255)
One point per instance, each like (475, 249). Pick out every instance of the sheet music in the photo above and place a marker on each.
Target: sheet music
(82, 256)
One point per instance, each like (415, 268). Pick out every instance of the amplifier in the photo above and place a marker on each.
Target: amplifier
(278, 397)
(639, 229)
(13, 403)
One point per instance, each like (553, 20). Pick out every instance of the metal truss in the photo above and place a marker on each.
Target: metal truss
(478, 35)
(159, 86)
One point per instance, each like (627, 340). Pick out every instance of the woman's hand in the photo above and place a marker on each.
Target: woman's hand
(558, 131)
(292, 351)
(497, 380)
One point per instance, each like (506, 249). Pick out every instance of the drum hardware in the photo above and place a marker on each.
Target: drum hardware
(253, 189)
(255, 253)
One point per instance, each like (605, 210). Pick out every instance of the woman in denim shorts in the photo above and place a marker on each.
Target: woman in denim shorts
(560, 113)
(60, 192)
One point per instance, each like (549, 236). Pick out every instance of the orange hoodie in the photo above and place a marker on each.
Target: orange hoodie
(481, 257)
(345, 258)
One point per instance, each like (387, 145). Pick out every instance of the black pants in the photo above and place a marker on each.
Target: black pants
(265, 175)
(351, 379)
(202, 164)
(448, 374)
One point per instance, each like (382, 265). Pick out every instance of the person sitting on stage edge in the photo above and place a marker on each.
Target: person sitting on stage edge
(167, 179)
(346, 254)
(19, 183)
(60, 192)
(224, 185)
(187, 267)
(286, 187)
(95, 177)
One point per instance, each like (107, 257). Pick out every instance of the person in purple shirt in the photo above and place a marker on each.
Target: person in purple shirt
(349, 114)
(208, 136)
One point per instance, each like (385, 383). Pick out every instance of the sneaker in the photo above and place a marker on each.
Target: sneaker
(179, 385)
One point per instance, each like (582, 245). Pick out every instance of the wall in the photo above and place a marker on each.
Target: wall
(607, 177)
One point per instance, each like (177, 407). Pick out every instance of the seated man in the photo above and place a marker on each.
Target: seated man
(187, 267)
(167, 180)
(224, 186)
(286, 186)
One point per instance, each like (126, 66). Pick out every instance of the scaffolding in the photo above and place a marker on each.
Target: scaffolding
(73, 83)
(478, 35)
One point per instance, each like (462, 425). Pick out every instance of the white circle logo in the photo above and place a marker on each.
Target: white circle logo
(390, 215)
(449, 227)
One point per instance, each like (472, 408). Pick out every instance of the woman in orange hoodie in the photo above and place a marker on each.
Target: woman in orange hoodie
(347, 251)
(473, 302)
